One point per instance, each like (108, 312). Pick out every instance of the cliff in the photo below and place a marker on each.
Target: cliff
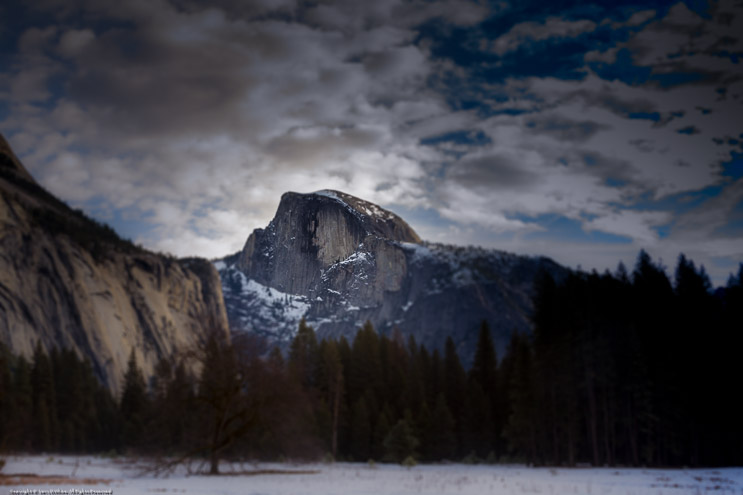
(68, 281)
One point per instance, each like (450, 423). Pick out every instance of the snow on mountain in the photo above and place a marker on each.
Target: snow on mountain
(339, 261)
(258, 308)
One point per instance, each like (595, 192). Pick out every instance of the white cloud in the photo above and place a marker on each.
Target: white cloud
(637, 225)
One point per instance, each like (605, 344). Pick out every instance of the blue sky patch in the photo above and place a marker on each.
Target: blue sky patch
(560, 228)
(470, 138)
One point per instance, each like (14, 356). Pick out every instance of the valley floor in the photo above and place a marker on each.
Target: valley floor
(88, 475)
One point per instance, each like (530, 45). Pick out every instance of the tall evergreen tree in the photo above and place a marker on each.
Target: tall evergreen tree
(22, 424)
(455, 385)
(331, 385)
(483, 384)
(134, 403)
(401, 442)
(6, 396)
(365, 376)
(521, 426)
(303, 355)
(382, 427)
(44, 401)
(361, 431)
(443, 434)
(73, 405)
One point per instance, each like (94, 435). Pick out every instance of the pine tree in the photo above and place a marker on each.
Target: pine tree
(72, 405)
(44, 401)
(478, 431)
(134, 403)
(381, 429)
(455, 384)
(21, 426)
(400, 442)
(443, 434)
(485, 362)
(653, 305)
(521, 426)
(303, 355)
(330, 381)
(361, 431)
(415, 385)
(483, 384)
(424, 431)
(6, 395)
(365, 371)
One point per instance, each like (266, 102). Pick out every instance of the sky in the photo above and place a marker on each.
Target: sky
(584, 131)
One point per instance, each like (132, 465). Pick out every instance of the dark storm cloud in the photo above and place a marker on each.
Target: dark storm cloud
(144, 85)
(492, 173)
(565, 129)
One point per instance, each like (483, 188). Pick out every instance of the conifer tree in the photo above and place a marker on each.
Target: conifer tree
(381, 429)
(6, 395)
(21, 425)
(401, 442)
(478, 426)
(134, 403)
(365, 377)
(361, 431)
(44, 401)
(485, 362)
(331, 384)
(424, 431)
(73, 406)
(521, 427)
(455, 383)
(443, 434)
(303, 355)
(483, 381)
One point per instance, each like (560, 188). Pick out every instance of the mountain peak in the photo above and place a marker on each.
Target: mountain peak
(312, 232)
(339, 261)
(373, 219)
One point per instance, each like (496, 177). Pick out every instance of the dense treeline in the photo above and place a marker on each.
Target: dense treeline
(634, 370)
(54, 403)
(621, 369)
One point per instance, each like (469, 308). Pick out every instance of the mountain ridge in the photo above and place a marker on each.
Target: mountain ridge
(328, 257)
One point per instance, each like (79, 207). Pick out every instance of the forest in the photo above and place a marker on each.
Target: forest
(622, 369)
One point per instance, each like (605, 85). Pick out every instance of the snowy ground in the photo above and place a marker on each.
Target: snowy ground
(69, 475)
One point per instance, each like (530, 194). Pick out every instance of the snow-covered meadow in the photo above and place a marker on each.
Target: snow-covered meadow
(80, 475)
(87, 474)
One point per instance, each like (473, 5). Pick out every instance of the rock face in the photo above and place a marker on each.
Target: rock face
(339, 261)
(68, 281)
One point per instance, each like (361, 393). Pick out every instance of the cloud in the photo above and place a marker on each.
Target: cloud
(184, 114)
(638, 225)
(529, 32)
(72, 42)
(195, 118)
(640, 17)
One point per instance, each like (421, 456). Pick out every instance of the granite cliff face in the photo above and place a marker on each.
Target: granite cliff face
(339, 261)
(68, 281)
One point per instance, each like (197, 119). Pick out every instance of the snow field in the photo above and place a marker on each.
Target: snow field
(126, 477)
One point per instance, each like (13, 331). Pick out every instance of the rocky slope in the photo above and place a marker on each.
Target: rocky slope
(68, 281)
(339, 261)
